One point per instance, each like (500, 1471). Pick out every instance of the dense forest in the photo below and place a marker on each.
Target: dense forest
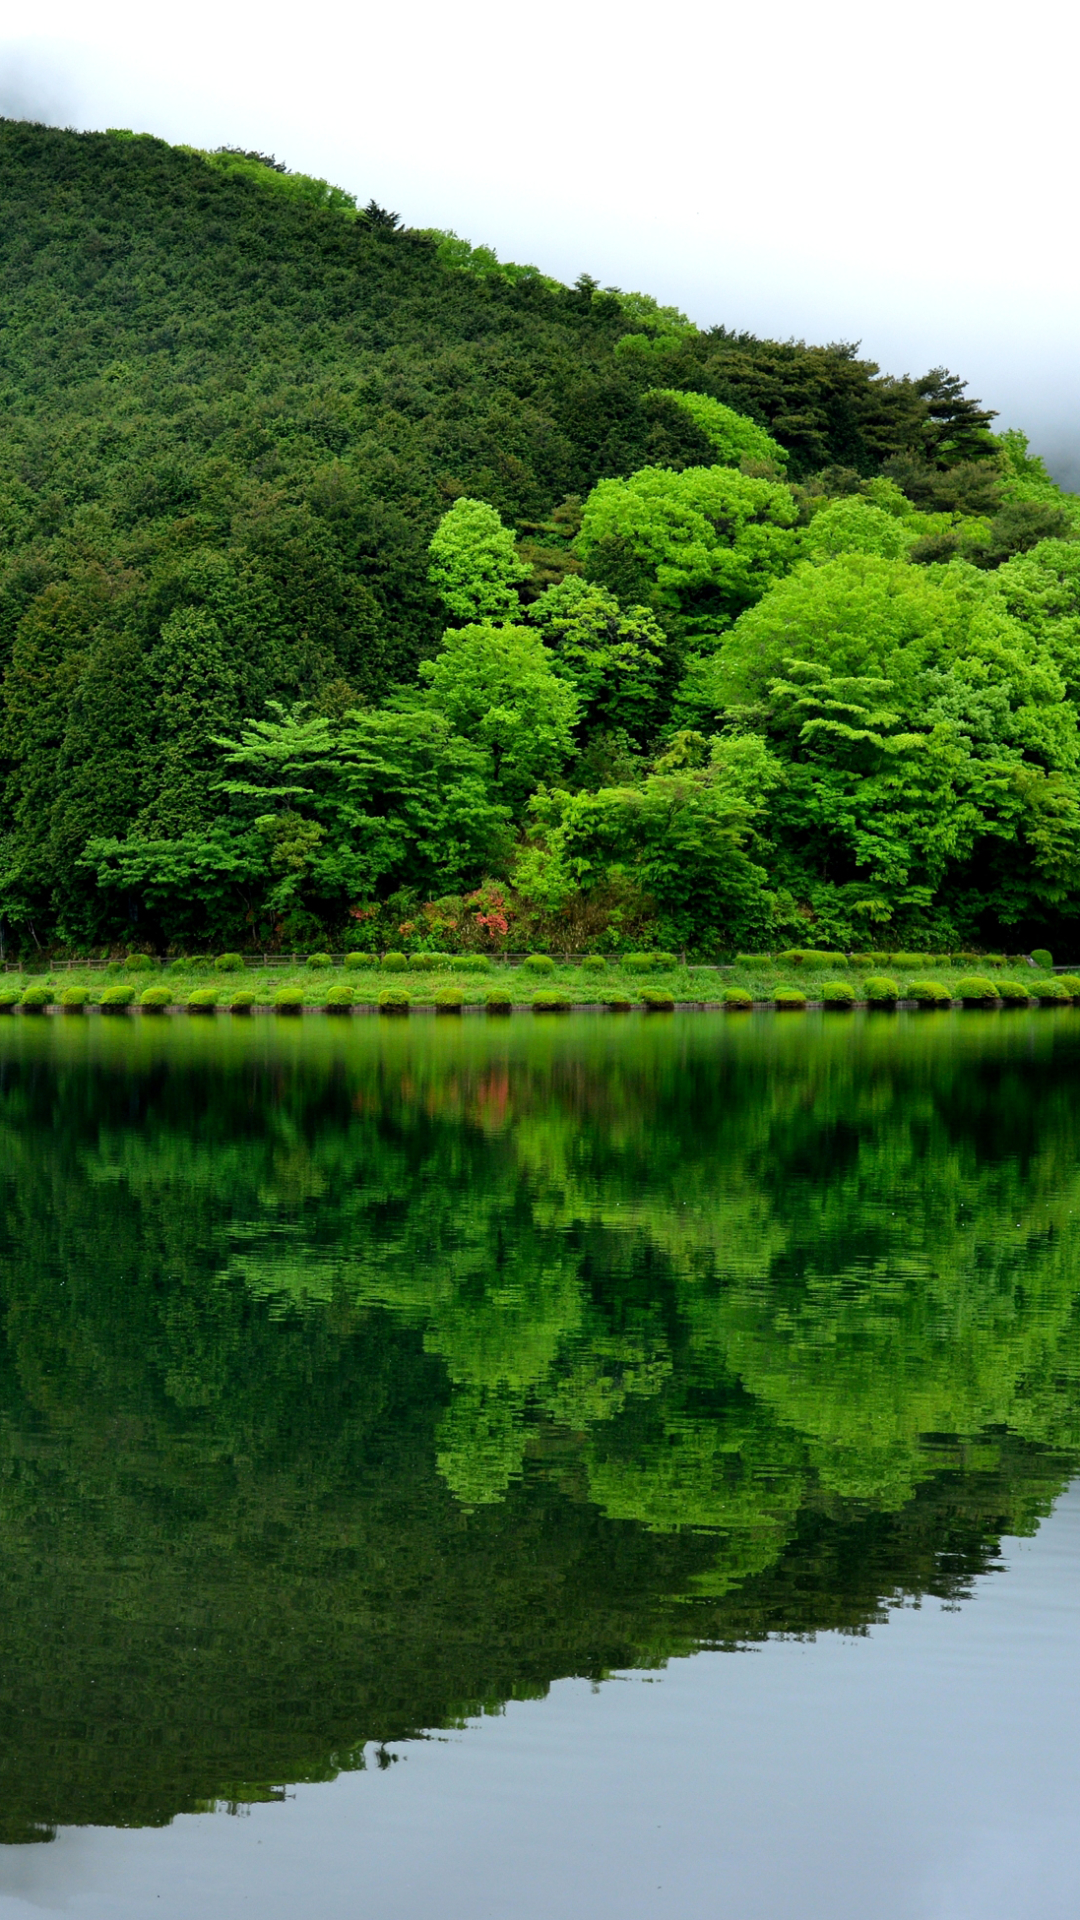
(357, 589)
(345, 1394)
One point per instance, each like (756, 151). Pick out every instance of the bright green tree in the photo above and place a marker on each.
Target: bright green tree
(497, 688)
(699, 546)
(475, 568)
(619, 662)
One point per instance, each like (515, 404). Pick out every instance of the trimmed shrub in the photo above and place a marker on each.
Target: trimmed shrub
(117, 999)
(36, 999)
(837, 995)
(789, 1000)
(229, 963)
(753, 959)
(538, 963)
(139, 963)
(665, 962)
(593, 963)
(738, 1000)
(498, 1000)
(811, 957)
(74, 999)
(472, 963)
(9, 999)
(289, 1001)
(242, 1000)
(203, 1000)
(909, 959)
(1071, 984)
(319, 960)
(872, 959)
(620, 1005)
(1050, 992)
(394, 963)
(394, 1000)
(360, 960)
(449, 1000)
(421, 962)
(340, 1000)
(993, 959)
(1014, 993)
(1042, 957)
(637, 962)
(929, 994)
(155, 999)
(550, 1001)
(967, 959)
(880, 990)
(657, 1000)
(975, 990)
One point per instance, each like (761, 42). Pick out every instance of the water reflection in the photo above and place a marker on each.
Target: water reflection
(358, 1379)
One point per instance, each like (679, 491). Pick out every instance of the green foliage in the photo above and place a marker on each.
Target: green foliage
(155, 999)
(550, 1000)
(229, 963)
(340, 999)
(203, 1000)
(288, 1000)
(593, 963)
(498, 688)
(139, 963)
(975, 990)
(9, 998)
(657, 1000)
(1049, 993)
(74, 999)
(837, 993)
(789, 1000)
(733, 437)
(241, 1000)
(928, 993)
(394, 1000)
(475, 569)
(1042, 957)
(880, 990)
(449, 1000)
(359, 961)
(473, 963)
(698, 546)
(738, 1000)
(498, 1000)
(36, 999)
(320, 960)
(1014, 993)
(854, 525)
(394, 962)
(618, 661)
(538, 963)
(116, 999)
(1071, 984)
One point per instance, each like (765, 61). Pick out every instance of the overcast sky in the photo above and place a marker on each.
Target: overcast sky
(900, 176)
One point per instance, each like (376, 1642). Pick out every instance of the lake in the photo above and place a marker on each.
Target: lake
(540, 1467)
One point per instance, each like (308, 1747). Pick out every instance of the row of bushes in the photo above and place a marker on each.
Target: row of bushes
(427, 962)
(975, 990)
(286, 1000)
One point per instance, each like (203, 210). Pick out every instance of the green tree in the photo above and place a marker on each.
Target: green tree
(678, 838)
(698, 546)
(475, 567)
(497, 688)
(619, 662)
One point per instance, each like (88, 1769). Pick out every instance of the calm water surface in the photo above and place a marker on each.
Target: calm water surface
(576, 1467)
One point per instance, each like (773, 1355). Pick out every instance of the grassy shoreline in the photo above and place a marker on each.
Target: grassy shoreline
(571, 984)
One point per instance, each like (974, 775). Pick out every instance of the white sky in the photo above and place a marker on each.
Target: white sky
(901, 175)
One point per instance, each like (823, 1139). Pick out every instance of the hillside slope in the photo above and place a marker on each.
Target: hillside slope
(234, 409)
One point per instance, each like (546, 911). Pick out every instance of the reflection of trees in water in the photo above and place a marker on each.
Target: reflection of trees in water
(341, 1402)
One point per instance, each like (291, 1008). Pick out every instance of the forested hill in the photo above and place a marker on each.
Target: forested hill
(236, 408)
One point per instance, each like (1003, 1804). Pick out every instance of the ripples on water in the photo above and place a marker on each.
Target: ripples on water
(358, 1380)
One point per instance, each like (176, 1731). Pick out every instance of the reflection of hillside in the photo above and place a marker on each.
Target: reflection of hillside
(346, 1392)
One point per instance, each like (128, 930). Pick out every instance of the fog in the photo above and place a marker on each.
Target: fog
(836, 172)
